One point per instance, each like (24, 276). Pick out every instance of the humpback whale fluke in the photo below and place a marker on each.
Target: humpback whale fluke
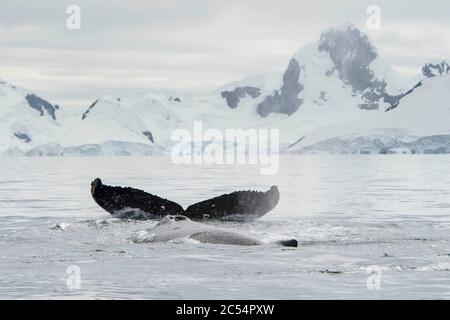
(133, 203)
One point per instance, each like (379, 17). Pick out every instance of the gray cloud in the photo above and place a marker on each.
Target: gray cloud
(130, 46)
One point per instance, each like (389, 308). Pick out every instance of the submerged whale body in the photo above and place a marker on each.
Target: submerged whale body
(130, 203)
(174, 227)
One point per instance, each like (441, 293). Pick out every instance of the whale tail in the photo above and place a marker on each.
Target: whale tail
(137, 204)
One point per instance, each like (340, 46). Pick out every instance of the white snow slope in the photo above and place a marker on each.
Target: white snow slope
(420, 124)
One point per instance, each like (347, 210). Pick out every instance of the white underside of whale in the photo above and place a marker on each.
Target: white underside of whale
(179, 227)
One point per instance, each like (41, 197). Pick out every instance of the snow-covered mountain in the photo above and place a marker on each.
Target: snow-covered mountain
(420, 124)
(339, 79)
(26, 120)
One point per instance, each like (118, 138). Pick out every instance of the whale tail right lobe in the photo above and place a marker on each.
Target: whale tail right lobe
(239, 205)
(132, 203)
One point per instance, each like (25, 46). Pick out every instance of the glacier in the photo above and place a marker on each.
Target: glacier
(420, 124)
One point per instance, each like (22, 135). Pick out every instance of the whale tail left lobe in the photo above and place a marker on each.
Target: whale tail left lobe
(132, 203)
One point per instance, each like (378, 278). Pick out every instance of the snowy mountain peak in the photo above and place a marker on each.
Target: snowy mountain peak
(344, 59)
(352, 53)
(344, 26)
(42, 106)
(348, 38)
(26, 120)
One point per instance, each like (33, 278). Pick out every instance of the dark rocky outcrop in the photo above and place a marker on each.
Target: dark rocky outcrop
(176, 99)
(41, 105)
(352, 53)
(149, 135)
(233, 97)
(286, 100)
(85, 114)
(431, 70)
(22, 136)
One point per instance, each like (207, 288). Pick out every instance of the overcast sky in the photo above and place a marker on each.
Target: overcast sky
(126, 47)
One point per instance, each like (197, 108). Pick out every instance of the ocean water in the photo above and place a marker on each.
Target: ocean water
(369, 227)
